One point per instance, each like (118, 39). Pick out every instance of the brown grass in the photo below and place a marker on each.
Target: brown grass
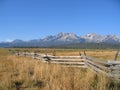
(21, 73)
(97, 53)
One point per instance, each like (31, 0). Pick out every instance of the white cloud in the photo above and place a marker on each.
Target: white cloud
(8, 40)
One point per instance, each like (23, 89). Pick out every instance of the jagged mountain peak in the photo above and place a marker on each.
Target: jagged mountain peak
(92, 34)
(17, 41)
(93, 37)
(112, 36)
(61, 34)
(112, 39)
(67, 38)
(62, 37)
(64, 34)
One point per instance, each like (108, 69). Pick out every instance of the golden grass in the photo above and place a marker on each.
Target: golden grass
(97, 53)
(21, 73)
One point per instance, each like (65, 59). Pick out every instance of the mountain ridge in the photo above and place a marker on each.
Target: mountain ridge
(63, 39)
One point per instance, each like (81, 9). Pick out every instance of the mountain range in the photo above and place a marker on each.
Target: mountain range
(63, 39)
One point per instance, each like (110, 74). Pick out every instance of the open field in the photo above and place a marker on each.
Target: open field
(21, 73)
(96, 53)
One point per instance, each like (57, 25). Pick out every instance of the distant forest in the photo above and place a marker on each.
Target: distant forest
(93, 46)
(78, 45)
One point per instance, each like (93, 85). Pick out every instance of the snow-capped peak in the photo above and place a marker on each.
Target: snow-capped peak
(93, 37)
(66, 36)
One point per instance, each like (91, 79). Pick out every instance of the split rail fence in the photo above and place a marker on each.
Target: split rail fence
(109, 68)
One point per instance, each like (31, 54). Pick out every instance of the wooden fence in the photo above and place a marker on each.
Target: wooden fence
(109, 68)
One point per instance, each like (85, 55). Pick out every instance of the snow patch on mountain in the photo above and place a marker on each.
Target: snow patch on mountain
(65, 38)
(93, 37)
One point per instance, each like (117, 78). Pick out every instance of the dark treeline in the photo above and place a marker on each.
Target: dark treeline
(76, 45)
(93, 46)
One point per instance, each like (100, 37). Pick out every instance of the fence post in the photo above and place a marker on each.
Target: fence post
(116, 55)
(84, 53)
(80, 53)
(54, 53)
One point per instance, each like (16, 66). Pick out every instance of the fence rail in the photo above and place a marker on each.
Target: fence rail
(109, 68)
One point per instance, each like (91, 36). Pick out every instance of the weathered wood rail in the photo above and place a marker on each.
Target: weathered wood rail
(109, 68)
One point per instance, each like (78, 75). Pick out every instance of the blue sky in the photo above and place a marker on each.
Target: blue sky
(33, 19)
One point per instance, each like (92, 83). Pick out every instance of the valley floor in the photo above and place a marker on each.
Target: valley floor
(21, 73)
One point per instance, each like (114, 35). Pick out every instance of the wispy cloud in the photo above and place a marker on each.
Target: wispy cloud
(8, 40)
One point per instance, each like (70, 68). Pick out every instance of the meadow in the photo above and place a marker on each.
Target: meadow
(24, 73)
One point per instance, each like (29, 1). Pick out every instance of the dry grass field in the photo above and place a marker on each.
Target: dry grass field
(100, 54)
(24, 73)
